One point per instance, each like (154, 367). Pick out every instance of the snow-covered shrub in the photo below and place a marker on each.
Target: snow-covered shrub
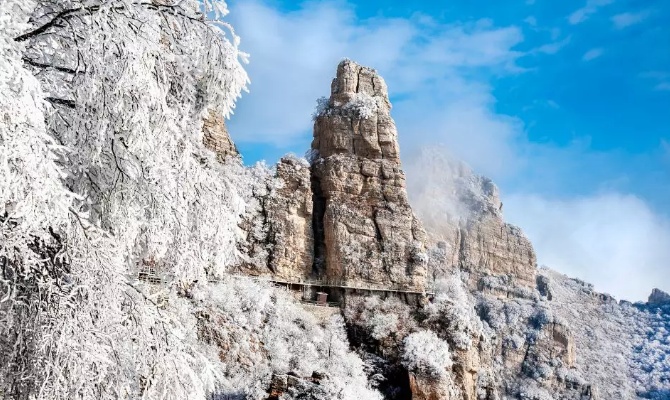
(514, 341)
(451, 314)
(651, 351)
(426, 354)
(385, 321)
(260, 331)
(530, 390)
(34, 214)
(383, 325)
(322, 104)
(541, 317)
(361, 106)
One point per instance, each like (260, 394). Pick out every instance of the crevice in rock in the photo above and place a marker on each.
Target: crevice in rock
(270, 235)
(358, 79)
(318, 229)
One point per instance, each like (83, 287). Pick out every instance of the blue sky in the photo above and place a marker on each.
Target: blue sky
(566, 105)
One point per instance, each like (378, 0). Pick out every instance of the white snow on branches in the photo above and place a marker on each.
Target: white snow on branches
(427, 354)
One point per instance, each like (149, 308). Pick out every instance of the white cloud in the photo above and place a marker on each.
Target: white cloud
(531, 20)
(554, 47)
(553, 104)
(660, 79)
(627, 19)
(467, 125)
(294, 55)
(613, 240)
(591, 7)
(592, 54)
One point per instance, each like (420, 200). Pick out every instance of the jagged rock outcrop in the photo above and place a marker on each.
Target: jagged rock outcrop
(512, 332)
(278, 224)
(463, 216)
(216, 137)
(658, 296)
(289, 213)
(365, 230)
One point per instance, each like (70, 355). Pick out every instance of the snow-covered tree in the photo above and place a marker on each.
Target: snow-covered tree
(425, 353)
(34, 210)
(104, 173)
(131, 83)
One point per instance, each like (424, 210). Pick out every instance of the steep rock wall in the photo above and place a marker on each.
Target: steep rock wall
(463, 215)
(366, 230)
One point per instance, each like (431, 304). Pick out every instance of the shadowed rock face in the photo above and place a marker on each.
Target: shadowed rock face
(365, 228)
(658, 296)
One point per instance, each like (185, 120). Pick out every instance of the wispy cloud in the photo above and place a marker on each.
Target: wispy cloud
(531, 20)
(592, 54)
(600, 238)
(627, 19)
(660, 79)
(554, 47)
(591, 7)
(293, 56)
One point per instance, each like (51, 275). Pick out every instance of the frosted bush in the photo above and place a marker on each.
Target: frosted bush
(451, 313)
(426, 354)
(322, 104)
(383, 325)
(386, 320)
(261, 331)
(361, 106)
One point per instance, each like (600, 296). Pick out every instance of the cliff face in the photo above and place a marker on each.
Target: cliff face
(463, 214)
(290, 210)
(496, 327)
(353, 224)
(366, 230)
(216, 137)
(346, 219)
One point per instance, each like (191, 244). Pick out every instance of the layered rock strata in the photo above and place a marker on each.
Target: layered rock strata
(289, 208)
(464, 219)
(365, 230)
(216, 137)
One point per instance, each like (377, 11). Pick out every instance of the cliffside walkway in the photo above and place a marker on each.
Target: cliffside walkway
(150, 275)
(333, 284)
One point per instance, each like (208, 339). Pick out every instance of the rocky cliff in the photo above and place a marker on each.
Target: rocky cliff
(345, 219)
(493, 325)
(365, 228)
(464, 215)
(217, 139)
